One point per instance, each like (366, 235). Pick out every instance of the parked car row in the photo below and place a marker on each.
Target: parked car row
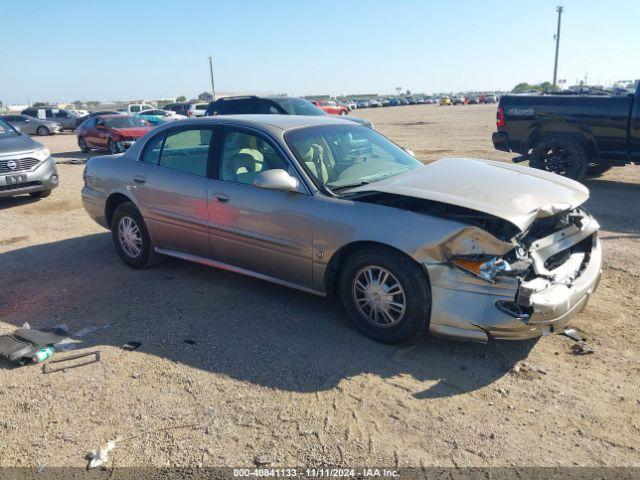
(468, 99)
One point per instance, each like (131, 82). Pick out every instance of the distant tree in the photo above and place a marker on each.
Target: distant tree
(526, 87)
(521, 88)
(39, 104)
(181, 98)
(92, 103)
(408, 93)
(78, 103)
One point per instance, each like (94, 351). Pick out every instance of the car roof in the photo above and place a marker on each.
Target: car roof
(281, 122)
(112, 115)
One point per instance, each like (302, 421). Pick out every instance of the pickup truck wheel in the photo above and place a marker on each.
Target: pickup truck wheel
(131, 237)
(560, 154)
(595, 170)
(386, 295)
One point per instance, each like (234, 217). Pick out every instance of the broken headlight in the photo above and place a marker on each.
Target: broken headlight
(485, 268)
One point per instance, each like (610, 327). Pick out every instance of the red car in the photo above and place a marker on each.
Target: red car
(114, 133)
(331, 107)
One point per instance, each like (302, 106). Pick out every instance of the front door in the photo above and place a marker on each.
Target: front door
(170, 181)
(265, 231)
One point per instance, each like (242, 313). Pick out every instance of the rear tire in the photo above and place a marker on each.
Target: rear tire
(386, 295)
(40, 194)
(596, 170)
(131, 237)
(560, 154)
(43, 131)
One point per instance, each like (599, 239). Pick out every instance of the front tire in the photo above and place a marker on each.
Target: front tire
(82, 143)
(43, 131)
(386, 295)
(560, 154)
(112, 147)
(131, 237)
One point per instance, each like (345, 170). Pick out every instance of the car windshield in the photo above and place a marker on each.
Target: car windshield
(297, 106)
(344, 156)
(124, 122)
(6, 130)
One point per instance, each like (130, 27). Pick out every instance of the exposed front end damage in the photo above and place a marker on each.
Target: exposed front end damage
(554, 267)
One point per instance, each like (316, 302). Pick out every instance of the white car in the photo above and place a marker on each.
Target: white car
(197, 109)
(137, 108)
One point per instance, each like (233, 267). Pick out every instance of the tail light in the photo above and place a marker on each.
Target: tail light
(189, 113)
(500, 117)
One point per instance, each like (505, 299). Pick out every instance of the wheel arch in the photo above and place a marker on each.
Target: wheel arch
(113, 200)
(338, 259)
(576, 130)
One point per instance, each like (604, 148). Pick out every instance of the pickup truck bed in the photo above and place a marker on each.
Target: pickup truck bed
(573, 135)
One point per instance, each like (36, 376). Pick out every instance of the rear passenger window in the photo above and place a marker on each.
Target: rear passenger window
(187, 151)
(152, 150)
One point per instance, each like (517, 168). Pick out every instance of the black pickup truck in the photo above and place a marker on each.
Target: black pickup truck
(576, 136)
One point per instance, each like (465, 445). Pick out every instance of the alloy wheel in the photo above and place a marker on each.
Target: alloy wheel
(379, 296)
(129, 237)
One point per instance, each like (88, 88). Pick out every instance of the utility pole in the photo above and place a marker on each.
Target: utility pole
(559, 9)
(213, 88)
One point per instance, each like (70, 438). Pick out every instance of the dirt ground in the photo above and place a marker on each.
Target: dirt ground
(283, 374)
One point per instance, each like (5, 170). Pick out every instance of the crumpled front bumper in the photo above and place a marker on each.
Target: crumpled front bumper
(464, 307)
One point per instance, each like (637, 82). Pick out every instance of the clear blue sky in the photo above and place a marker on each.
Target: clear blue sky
(106, 50)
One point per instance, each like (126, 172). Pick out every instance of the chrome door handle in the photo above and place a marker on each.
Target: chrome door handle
(139, 179)
(221, 197)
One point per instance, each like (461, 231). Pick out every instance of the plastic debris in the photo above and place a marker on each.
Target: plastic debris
(130, 346)
(65, 344)
(26, 325)
(262, 459)
(61, 329)
(100, 456)
(90, 329)
(573, 334)
(85, 331)
(582, 348)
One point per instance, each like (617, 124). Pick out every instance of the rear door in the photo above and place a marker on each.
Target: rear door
(170, 182)
(266, 231)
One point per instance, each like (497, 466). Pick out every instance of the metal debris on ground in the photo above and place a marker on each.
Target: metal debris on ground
(130, 346)
(87, 330)
(573, 334)
(190, 342)
(582, 348)
(54, 365)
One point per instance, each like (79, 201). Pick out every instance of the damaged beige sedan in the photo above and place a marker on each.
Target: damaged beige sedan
(462, 248)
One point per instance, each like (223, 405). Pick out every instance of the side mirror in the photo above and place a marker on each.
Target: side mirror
(17, 128)
(101, 127)
(276, 179)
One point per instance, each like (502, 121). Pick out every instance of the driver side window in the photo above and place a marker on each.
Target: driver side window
(245, 155)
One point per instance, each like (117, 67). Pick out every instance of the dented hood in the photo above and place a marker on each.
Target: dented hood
(516, 194)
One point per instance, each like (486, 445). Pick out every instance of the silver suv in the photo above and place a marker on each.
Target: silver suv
(26, 166)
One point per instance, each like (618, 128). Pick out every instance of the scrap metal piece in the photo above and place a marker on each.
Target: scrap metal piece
(582, 348)
(573, 334)
(47, 368)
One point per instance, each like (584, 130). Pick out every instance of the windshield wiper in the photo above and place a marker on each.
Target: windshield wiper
(347, 187)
